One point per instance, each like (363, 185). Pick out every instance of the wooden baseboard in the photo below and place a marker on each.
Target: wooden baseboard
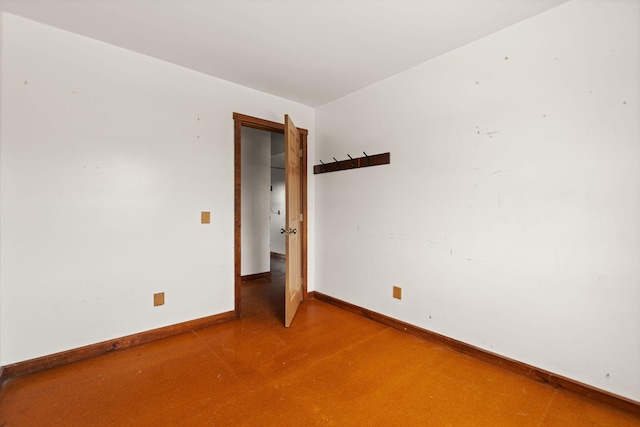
(257, 276)
(277, 255)
(539, 375)
(74, 355)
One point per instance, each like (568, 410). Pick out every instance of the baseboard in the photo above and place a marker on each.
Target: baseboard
(539, 375)
(277, 255)
(74, 355)
(257, 276)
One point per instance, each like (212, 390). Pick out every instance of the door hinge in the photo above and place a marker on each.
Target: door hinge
(301, 217)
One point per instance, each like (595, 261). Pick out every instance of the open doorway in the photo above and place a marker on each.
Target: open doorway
(263, 211)
(243, 123)
(262, 202)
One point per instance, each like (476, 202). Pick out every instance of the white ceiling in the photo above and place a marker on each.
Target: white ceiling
(310, 51)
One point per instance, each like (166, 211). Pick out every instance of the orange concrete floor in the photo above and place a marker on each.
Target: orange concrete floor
(330, 368)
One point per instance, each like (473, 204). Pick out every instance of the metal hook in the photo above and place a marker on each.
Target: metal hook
(365, 154)
(353, 164)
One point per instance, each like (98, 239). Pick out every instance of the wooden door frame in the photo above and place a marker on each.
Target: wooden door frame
(240, 120)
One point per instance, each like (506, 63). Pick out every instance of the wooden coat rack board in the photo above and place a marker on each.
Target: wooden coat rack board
(353, 163)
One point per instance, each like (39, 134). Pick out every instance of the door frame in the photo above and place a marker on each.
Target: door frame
(240, 120)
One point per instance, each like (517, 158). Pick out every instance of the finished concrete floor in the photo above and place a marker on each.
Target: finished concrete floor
(331, 368)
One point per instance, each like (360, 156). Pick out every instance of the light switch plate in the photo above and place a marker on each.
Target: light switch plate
(205, 217)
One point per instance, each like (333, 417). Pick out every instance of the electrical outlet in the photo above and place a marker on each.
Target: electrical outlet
(158, 299)
(397, 292)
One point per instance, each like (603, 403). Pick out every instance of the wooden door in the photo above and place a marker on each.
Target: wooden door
(293, 230)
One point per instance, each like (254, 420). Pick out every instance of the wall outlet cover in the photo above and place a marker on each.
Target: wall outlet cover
(158, 299)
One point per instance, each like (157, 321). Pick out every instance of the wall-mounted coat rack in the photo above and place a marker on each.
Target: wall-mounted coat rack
(352, 163)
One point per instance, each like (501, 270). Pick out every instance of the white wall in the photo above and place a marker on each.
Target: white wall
(1, 79)
(255, 201)
(278, 211)
(510, 212)
(278, 194)
(107, 159)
